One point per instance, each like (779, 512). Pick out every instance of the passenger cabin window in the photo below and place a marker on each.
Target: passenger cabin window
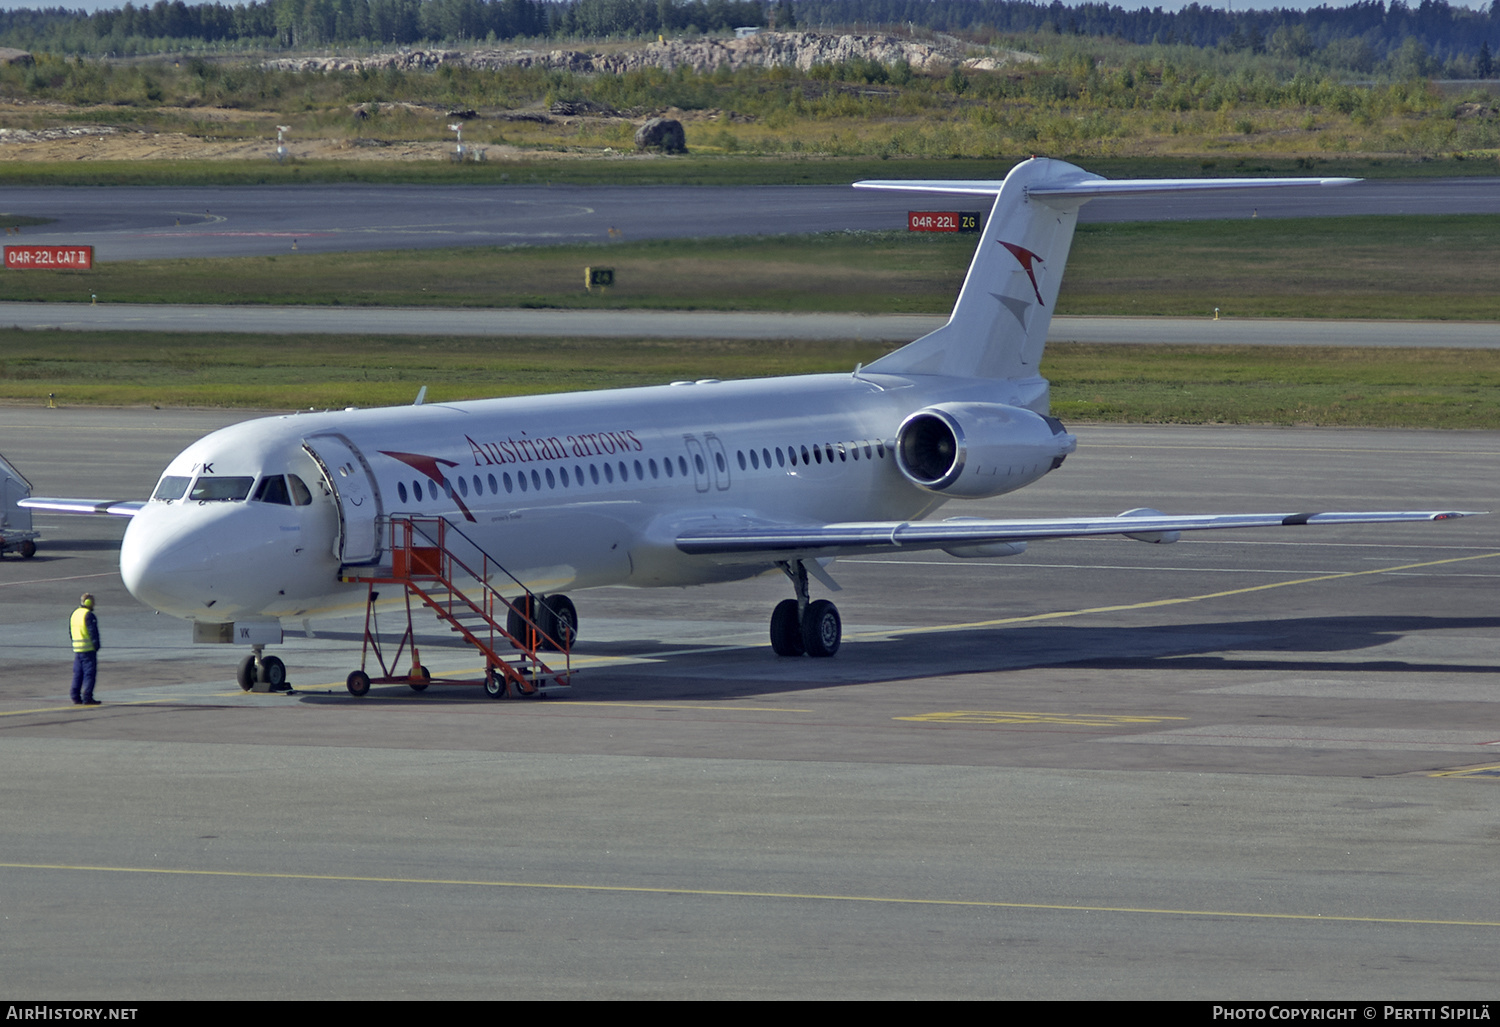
(171, 487)
(221, 490)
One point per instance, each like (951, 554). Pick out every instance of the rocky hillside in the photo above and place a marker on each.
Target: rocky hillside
(766, 50)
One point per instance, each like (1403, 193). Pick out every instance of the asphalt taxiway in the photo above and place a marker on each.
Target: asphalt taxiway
(156, 222)
(1251, 765)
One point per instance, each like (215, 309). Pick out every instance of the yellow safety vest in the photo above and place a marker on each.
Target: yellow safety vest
(83, 642)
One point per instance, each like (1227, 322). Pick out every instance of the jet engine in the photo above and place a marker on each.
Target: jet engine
(974, 450)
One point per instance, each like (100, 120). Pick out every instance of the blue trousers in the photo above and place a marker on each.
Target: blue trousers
(85, 669)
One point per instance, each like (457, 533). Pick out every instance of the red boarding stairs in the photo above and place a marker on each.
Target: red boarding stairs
(424, 564)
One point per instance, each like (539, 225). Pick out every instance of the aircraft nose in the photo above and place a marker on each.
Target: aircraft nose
(168, 566)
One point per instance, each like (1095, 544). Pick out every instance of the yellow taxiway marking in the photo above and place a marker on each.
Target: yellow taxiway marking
(71, 706)
(713, 707)
(41, 709)
(739, 893)
(1492, 771)
(1009, 717)
(1176, 601)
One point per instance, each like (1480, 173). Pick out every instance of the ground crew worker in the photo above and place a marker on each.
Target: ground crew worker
(83, 627)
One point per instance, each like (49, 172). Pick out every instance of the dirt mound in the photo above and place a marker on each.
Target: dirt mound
(764, 50)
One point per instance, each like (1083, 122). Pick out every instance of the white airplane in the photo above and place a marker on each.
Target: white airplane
(680, 484)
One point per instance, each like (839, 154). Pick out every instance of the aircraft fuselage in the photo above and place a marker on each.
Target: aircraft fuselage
(566, 492)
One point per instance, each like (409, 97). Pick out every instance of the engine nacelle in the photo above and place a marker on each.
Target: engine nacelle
(974, 450)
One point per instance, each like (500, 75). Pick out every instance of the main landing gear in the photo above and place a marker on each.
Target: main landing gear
(555, 616)
(799, 626)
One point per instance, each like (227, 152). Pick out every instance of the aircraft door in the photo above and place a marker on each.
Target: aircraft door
(698, 461)
(719, 459)
(356, 495)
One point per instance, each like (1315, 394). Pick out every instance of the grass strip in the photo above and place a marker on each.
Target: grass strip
(884, 272)
(330, 371)
(1124, 384)
(1350, 387)
(1444, 267)
(1437, 267)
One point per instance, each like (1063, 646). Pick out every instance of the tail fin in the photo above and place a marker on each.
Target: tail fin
(998, 328)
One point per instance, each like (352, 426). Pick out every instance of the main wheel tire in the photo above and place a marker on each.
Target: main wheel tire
(421, 686)
(822, 630)
(494, 683)
(245, 673)
(515, 618)
(786, 630)
(559, 622)
(273, 672)
(28, 549)
(358, 683)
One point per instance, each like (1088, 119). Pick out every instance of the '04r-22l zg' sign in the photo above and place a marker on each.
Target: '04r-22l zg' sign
(54, 258)
(943, 220)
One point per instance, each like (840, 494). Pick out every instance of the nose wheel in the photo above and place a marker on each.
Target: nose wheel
(258, 673)
(801, 627)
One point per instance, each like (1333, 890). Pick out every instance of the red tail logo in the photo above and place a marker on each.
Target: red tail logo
(1027, 258)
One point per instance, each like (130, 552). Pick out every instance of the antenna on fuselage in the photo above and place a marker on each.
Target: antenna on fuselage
(421, 395)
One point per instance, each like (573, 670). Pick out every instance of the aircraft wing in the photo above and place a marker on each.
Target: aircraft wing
(112, 507)
(1145, 525)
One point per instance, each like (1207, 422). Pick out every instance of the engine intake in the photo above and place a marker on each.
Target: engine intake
(930, 449)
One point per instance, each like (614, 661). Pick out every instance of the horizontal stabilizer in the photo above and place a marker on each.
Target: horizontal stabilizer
(998, 328)
(857, 537)
(112, 507)
(1091, 187)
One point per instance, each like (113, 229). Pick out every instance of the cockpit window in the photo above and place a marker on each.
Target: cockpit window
(171, 487)
(272, 489)
(301, 494)
(221, 490)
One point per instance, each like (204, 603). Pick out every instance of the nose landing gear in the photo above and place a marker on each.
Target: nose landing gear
(799, 626)
(258, 673)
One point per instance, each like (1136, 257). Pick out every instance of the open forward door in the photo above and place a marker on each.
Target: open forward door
(356, 494)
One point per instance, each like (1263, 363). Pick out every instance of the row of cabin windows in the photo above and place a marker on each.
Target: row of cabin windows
(827, 453)
(533, 480)
(529, 481)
